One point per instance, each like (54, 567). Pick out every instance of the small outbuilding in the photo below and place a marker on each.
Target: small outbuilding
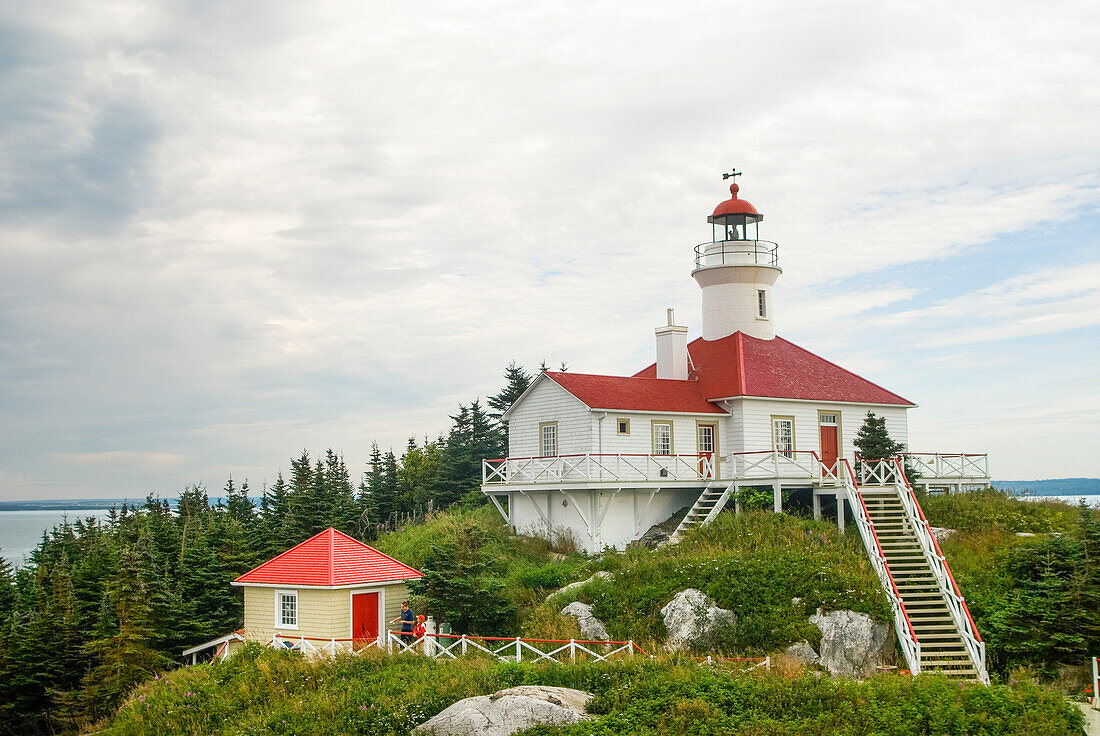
(329, 587)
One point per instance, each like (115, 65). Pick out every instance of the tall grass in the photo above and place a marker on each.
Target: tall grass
(772, 570)
(270, 692)
(994, 510)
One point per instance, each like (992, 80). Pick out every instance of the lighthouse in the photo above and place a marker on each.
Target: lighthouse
(736, 271)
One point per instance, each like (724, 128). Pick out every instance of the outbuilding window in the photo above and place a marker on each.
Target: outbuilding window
(286, 609)
(623, 426)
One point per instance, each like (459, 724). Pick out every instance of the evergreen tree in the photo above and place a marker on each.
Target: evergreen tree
(472, 439)
(873, 442)
(518, 381)
(463, 585)
(127, 658)
(275, 517)
(418, 474)
(343, 510)
(388, 500)
(237, 503)
(370, 487)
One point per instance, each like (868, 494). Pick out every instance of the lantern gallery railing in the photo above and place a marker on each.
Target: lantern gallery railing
(591, 467)
(736, 253)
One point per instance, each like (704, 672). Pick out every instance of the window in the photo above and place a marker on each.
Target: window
(783, 436)
(827, 419)
(761, 304)
(548, 439)
(286, 609)
(662, 438)
(623, 426)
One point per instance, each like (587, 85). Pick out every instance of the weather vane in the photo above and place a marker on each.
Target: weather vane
(730, 175)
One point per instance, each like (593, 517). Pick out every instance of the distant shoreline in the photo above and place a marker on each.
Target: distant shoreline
(82, 504)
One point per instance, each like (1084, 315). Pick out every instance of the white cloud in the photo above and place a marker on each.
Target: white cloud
(230, 230)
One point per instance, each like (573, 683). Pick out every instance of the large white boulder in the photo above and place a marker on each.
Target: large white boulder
(508, 711)
(591, 627)
(802, 651)
(853, 644)
(692, 616)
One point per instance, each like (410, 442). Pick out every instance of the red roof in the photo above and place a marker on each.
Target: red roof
(635, 394)
(735, 206)
(329, 558)
(739, 365)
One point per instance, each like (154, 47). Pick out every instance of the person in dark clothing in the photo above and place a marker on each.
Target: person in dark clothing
(406, 618)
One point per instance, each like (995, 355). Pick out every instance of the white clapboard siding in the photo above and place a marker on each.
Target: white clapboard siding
(549, 402)
(757, 422)
(640, 439)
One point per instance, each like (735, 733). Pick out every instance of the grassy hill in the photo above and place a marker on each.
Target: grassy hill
(270, 692)
(1034, 598)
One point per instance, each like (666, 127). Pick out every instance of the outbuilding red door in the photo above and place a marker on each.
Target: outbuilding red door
(828, 446)
(364, 616)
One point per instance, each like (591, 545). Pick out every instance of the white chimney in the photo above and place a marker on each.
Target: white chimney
(672, 352)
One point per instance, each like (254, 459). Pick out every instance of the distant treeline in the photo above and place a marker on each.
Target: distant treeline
(103, 605)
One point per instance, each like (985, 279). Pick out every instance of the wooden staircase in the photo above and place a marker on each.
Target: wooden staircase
(942, 649)
(711, 501)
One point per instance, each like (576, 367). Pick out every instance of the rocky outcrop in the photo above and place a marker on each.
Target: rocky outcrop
(658, 534)
(601, 575)
(853, 644)
(802, 651)
(940, 533)
(691, 617)
(591, 627)
(508, 711)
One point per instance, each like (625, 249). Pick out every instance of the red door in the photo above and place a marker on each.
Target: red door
(364, 616)
(828, 446)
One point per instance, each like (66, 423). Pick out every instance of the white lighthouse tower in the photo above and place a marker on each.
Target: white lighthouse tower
(736, 271)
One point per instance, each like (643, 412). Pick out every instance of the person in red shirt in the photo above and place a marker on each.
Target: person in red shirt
(418, 630)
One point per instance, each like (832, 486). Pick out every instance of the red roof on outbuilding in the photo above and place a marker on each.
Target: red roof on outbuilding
(635, 394)
(740, 365)
(329, 558)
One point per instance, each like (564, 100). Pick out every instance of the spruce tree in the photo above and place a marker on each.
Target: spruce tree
(518, 382)
(873, 442)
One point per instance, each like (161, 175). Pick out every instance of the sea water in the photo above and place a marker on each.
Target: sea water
(21, 531)
(1089, 499)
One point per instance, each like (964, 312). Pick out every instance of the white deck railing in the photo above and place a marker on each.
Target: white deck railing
(510, 649)
(591, 467)
(318, 647)
(949, 466)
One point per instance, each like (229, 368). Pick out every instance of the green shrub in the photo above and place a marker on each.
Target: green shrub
(266, 691)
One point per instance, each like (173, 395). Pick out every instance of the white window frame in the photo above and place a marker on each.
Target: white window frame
(280, 623)
(662, 423)
(787, 453)
(761, 304)
(553, 427)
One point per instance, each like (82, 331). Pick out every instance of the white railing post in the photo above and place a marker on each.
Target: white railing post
(519, 651)
(1095, 683)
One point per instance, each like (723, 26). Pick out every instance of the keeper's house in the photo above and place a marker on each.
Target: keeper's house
(329, 593)
(606, 457)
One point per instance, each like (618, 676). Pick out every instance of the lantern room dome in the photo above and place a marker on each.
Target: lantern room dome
(734, 211)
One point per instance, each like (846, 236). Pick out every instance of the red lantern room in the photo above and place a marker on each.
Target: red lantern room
(732, 218)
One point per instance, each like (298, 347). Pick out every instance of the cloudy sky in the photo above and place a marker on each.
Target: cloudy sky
(230, 230)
